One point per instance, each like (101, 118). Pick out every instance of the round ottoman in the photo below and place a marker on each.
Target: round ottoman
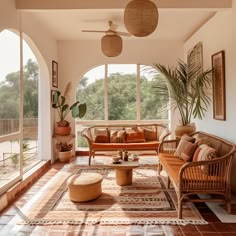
(84, 187)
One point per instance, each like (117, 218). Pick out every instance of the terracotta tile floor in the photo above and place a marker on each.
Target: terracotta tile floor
(8, 228)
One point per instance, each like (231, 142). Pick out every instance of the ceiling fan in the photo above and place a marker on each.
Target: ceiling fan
(111, 43)
(111, 31)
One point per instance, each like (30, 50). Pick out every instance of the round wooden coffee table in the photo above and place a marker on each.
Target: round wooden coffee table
(124, 172)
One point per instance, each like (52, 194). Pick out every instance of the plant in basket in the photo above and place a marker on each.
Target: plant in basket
(64, 147)
(64, 151)
(77, 109)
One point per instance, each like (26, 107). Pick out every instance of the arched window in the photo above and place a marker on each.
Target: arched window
(119, 93)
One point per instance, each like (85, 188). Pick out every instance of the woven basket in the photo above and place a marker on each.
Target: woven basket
(141, 17)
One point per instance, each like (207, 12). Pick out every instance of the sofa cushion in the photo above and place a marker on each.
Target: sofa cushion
(185, 139)
(102, 136)
(172, 165)
(118, 136)
(113, 136)
(135, 136)
(188, 151)
(149, 134)
(204, 153)
(200, 141)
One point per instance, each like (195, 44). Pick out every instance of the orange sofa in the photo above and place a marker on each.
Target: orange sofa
(124, 137)
(211, 177)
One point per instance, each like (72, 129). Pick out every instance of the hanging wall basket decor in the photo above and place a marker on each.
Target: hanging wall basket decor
(141, 17)
(111, 45)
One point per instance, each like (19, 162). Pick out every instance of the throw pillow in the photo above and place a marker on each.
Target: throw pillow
(149, 134)
(200, 141)
(113, 138)
(118, 136)
(182, 143)
(188, 152)
(121, 135)
(133, 136)
(188, 138)
(205, 153)
(195, 155)
(102, 136)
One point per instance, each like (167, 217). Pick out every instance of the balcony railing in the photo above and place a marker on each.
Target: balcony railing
(8, 126)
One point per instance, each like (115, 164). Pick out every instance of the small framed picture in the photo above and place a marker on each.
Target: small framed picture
(55, 74)
(218, 79)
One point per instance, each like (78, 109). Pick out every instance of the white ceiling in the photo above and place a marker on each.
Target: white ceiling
(174, 24)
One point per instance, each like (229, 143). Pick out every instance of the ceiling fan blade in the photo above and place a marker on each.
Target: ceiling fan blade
(123, 33)
(94, 31)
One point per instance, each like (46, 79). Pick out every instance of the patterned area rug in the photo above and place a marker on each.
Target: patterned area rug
(146, 201)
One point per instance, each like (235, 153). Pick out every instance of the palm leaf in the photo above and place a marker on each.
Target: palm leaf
(183, 87)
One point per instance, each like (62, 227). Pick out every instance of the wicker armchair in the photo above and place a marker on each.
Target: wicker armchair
(188, 178)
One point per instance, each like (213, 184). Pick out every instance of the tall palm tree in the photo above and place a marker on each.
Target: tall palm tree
(183, 87)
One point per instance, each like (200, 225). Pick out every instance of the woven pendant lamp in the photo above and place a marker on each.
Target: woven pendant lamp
(141, 17)
(111, 45)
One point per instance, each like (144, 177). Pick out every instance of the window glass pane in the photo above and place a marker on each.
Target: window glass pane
(9, 82)
(91, 91)
(150, 104)
(30, 122)
(9, 161)
(122, 92)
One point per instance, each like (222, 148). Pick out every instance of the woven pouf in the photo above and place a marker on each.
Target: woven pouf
(84, 187)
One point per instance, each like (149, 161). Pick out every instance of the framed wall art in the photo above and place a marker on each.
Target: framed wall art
(195, 56)
(55, 74)
(218, 80)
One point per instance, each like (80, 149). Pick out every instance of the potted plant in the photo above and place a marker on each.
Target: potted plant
(184, 88)
(64, 151)
(77, 109)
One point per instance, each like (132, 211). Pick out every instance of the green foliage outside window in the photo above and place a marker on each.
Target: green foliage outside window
(122, 98)
(10, 93)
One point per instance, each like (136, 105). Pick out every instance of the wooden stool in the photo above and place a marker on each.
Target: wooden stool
(84, 187)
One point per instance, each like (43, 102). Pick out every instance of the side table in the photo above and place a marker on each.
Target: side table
(124, 172)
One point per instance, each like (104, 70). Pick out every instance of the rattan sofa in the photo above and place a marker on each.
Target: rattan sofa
(188, 177)
(160, 132)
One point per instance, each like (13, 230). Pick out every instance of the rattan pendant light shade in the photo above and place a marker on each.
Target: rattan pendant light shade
(141, 17)
(111, 45)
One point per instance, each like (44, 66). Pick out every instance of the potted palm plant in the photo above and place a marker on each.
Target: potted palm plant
(64, 151)
(184, 88)
(77, 109)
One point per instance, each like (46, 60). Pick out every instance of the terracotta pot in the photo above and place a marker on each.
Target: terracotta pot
(65, 156)
(184, 129)
(63, 130)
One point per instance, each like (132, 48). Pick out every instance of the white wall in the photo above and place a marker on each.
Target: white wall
(220, 34)
(44, 47)
(77, 57)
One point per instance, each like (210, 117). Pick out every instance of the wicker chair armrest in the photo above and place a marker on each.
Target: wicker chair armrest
(168, 146)
(87, 135)
(205, 175)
